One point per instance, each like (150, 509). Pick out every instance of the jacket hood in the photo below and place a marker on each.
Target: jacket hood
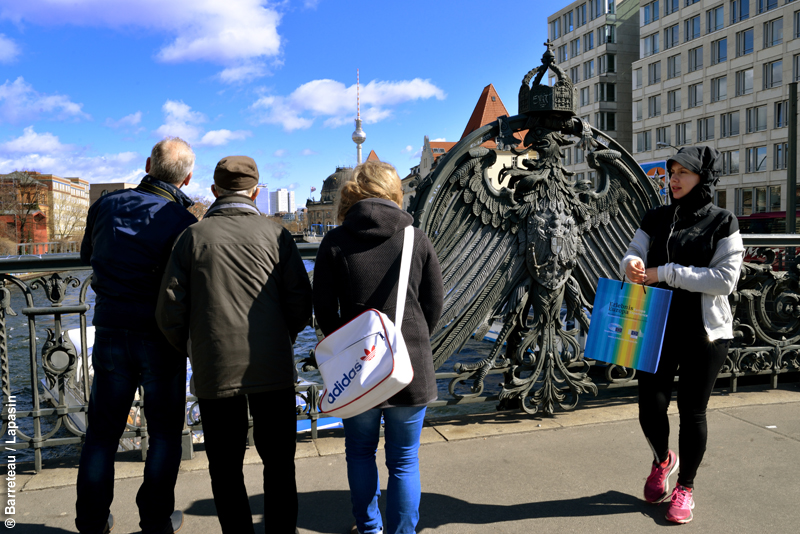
(376, 217)
(703, 160)
(694, 201)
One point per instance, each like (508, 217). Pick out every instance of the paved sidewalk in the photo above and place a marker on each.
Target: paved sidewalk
(581, 471)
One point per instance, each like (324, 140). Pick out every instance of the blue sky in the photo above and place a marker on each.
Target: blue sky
(88, 86)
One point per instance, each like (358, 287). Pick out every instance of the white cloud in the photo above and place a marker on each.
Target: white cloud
(233, 33)
(280, 153)
(127, 121)
(222, 137)
(408, 148)
(336, 102)
(308, 152)
(31, 142)
(181, 121)
(20, 101)
(277, 170)
(8, 49)
(196, 188)
(122, 167)
(439, 140)
(243, 73)
(277, 110)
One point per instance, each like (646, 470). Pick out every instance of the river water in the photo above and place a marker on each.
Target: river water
(20, 368)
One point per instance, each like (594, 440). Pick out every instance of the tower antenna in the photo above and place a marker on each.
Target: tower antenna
(359, 136)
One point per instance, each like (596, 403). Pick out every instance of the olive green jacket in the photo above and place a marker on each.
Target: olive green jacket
(236, 285)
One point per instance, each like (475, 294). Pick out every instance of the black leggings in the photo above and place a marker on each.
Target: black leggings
(700, 362)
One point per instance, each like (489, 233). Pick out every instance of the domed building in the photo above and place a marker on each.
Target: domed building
(320, 213)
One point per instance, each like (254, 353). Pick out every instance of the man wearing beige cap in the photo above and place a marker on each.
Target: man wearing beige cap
(235, 287)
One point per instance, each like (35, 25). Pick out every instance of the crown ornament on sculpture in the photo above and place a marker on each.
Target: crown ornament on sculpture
(561, 97)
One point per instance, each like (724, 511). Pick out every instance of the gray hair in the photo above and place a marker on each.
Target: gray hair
(171, 160)
(221, 191)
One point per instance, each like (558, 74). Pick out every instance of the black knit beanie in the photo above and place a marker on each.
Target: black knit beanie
(703, 160)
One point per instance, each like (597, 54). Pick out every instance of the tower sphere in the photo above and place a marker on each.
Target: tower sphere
(359, 136)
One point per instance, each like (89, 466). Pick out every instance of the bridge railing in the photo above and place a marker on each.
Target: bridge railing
(51, 247)
(767, 343)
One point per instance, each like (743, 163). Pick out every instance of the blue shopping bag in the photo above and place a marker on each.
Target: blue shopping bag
(628, 323)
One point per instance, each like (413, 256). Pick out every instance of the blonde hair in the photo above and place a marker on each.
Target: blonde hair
(373, 179)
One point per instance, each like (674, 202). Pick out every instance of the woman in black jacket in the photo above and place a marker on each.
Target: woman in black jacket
(357, 268)
(694, 249)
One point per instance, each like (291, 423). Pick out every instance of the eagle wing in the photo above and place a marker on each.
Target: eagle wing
(475, 230)
(616, 207)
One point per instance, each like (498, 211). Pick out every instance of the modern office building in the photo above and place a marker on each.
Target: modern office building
(704, 72)
(281, 201)
(595, 43)
(716, 73)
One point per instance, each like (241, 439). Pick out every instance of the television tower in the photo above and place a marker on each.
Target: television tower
(359, 136)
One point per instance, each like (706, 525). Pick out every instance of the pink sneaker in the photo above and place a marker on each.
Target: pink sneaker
(680, 509)
(656, 489)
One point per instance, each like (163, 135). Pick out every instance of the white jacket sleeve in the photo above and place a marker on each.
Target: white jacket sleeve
(636, 250)
(719, 278)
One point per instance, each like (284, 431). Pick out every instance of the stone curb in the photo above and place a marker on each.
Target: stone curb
(63, 472)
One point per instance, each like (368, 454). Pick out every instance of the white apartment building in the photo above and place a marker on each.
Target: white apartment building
(263, 200)
(281, 201)
(711, 72)
(716, 73)
(594, 41)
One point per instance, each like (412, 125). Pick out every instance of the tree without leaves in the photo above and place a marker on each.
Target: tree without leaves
(21, 196)
(200, 206)
(67, 216)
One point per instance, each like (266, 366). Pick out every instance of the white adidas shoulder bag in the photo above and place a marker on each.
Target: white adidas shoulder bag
(365, 362)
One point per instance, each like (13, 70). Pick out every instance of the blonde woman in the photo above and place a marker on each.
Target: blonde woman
(357, 269)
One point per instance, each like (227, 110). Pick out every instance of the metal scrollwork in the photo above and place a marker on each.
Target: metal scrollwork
(193, 415)
(59, 359)
(55, 287)
(768, 309)
(617, 374)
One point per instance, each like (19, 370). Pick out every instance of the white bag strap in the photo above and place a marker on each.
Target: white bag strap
(405, 269)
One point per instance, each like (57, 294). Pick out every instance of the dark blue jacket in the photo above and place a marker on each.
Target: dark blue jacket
(129, 236)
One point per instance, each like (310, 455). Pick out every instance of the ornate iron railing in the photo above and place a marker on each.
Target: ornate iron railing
(767, 342)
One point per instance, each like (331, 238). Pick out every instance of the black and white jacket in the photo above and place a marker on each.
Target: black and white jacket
(699, 252)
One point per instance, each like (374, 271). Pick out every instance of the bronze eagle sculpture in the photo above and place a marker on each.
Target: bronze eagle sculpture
(518, 251)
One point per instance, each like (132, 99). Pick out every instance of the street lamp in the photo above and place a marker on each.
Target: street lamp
(662, 145)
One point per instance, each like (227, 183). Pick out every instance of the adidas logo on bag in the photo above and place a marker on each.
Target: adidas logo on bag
(340, 385)
(369, 354)
(365, 361)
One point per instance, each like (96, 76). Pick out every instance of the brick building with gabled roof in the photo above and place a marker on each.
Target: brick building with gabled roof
(488, 108)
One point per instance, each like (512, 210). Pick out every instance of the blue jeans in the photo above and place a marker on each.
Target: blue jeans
(402, 428)
(123, 360)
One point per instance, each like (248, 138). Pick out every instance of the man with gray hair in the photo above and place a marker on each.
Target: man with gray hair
(129, 236)
(236, 286)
